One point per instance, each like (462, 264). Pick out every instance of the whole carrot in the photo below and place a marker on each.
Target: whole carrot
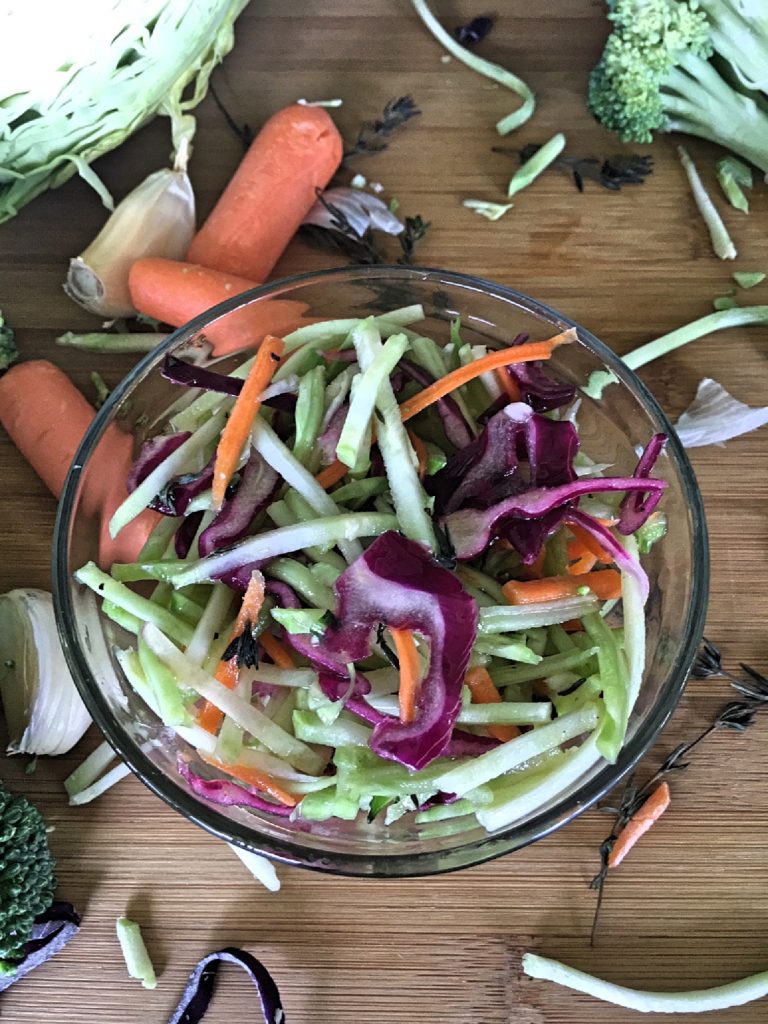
(273, 189)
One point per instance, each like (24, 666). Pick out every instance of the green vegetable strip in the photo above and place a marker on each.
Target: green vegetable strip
(185, 608)
(506, 713)
(510, 650)
(516, 752)
(734, 177)
(158, 541)
(482, 581)
(547, 666)
(211, 621)
(533, 167)
(589, 690)
(443, 812)
(325, 574)
(559, 639)
(360, 491)
(169, 699)
(177, 462)
(350, 446)
(430, 357)
(613, 676)
(246, 716)
(748, 279)
(327, 333)
(736, 993)
(283, 513)
(89, 793)
(483, 67)
(474, 391)
(520, 801)
(743, 316)
(634, 628)
(300, 620)
(284, 540)
(131, 666)
(328, 804)
(276, 676)
(135, 952)
(129, 622)
(302, 580)
(103, 341)
(399, 460)
(118, 594)
(134, 572)
(97, 761)
(208, 402)
(341, 733)
(271, 448)
(309, 413)
(513, 618)
(721, 240)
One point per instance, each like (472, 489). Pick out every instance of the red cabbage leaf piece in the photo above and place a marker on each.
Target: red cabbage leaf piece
(186, 534)
(623, 559)
(537, 388)
(471, 530)
(329, 438)
(51, 931)
(396, 582)
(636, 507)
(258, 483)
(151, 454)
(178, 372)
(227, 794)
(202, 984)
(455, 426)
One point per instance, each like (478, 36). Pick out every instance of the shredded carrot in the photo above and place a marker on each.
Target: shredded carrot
(483, 690)
(639, 823)
(604, 583)
(508, 384)
(573, 626)
(253, 777)
(531, 352)
(421, 453)
(278, 652)
(582, 560)
(590, 543)
(410, 672)
(209, 717)
(332, 474)
(247, 403)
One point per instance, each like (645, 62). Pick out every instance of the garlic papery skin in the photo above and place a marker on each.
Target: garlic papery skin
(42, 707)
(156, 219)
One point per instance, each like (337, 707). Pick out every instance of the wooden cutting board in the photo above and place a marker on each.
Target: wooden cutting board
(690, 906)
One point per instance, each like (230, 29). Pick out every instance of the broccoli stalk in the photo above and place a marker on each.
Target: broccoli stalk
(27, 882)
(657, 73)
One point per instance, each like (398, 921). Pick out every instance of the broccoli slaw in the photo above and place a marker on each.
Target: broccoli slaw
(415, 595)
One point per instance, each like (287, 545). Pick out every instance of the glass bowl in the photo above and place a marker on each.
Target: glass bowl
(611, 431)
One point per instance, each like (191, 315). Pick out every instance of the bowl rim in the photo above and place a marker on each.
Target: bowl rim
(374, 864)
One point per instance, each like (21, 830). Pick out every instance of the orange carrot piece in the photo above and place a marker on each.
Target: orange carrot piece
(639, 823)
(605, 584)
(278, 652)
(535, 570)
(253, 599)
(238, 426)
(175, 293)
(271, 192)
(590, 543)
(530, 352)
(332, 474)
(420, 452)
(483, 690)
(583, 561)
(410, 672)
(508, 384)
(253, 777)
(46, 417)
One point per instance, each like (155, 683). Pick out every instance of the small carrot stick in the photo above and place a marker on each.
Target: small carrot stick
(591, 543)
(583, 561)
(332, 474)
(420, 452)
(507, 384)
(604, 583)
(253, 777)
(639, 823)
(278, 652)
(410, 672)
(247, 404)
(483, 690)
(531, 352)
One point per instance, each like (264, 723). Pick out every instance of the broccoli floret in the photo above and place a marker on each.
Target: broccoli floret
(694, 66)
(27, 881)
(8, 351)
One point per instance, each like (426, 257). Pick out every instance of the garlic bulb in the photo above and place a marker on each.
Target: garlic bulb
(43, 709)
(156, 219)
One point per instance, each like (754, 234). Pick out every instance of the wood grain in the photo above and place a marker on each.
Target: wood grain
(690, 906)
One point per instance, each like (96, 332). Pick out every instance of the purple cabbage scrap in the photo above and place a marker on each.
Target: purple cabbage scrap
(51, 931)
(258, 484)
(396, 581)
(228, 794)
(623, 559)
(537, 388)
(151, 454)
(456, 428)
(636, 507)
(199, 990)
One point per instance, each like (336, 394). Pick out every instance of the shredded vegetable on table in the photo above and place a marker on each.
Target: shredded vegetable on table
(347, 617)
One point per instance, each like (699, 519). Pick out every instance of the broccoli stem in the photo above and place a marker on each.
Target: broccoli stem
(721, 240)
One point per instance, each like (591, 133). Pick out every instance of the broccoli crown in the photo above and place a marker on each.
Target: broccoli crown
(27, 882)
(649, 38)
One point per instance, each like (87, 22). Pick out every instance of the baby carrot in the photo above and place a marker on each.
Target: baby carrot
(483, 690)
(604, 583)
(253, 777)
(410, 672)
(530, 352)
(639, 823)
(296, 152)
(238, 426)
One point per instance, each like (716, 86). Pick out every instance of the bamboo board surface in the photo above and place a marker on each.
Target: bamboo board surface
(690, 906)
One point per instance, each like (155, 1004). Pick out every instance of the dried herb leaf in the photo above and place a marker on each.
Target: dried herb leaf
(611, 173)
(374, 136)
(415, 230)
(474, 31)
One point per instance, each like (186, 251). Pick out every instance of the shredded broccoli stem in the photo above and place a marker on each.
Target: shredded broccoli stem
(721, 240)
(309, 413)
(534, 166)
(734, 177)
(104, 341)
(135, 952)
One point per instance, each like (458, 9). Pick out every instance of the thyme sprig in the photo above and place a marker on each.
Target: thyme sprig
(736, 715)
(612, 173)
(374, 136)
